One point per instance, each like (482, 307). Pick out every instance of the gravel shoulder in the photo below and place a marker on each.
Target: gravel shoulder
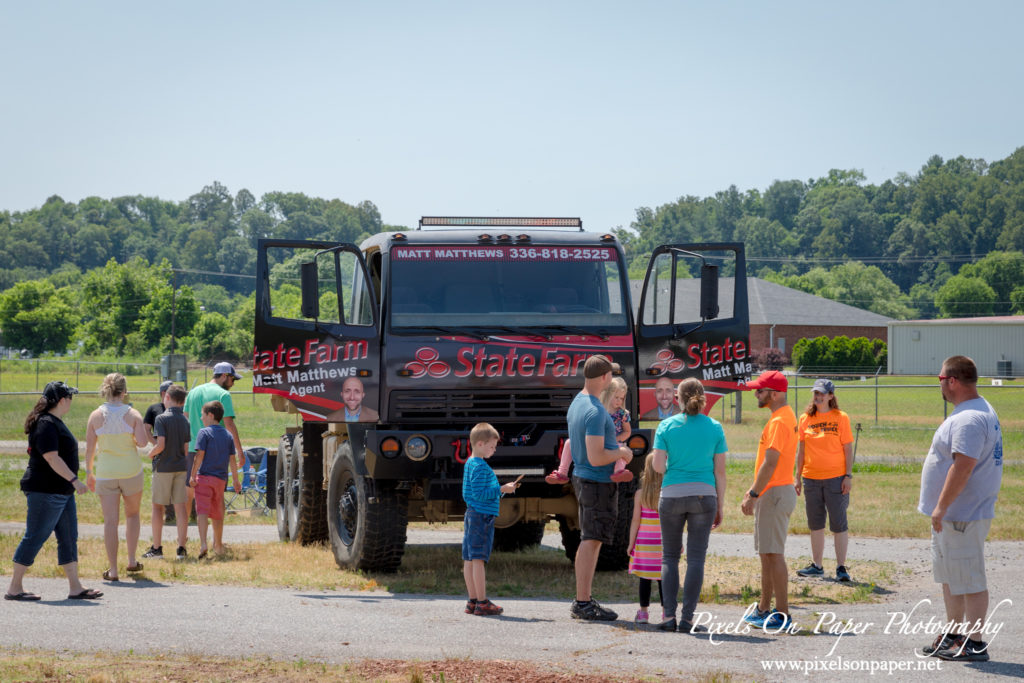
(338, 626)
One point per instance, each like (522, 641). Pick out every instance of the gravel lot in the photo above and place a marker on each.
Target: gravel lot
(148, 616)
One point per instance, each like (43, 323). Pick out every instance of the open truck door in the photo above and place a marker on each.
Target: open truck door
(693, 321)
(317, 347)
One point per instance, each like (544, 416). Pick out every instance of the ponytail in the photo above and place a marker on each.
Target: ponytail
(41, 406)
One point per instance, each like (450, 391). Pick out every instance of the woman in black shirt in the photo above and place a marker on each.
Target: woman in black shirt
(50, 483)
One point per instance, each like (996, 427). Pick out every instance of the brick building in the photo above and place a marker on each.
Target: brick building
(780, 316)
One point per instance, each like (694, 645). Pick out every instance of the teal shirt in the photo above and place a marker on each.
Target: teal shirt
(200, 396)
(691, 442)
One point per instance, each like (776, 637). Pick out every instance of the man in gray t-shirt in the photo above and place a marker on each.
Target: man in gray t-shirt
(959, 484)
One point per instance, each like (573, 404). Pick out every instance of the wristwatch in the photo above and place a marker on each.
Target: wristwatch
(847, 475)
(752, 493)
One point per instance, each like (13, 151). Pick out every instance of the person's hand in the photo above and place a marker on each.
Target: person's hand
(192, 481)
(847, 486)
(718, 518)
(90, 482)
(626, 454)
(80, 486)
(238, 487)
(937, 515)
(798, 485)
(748, 504)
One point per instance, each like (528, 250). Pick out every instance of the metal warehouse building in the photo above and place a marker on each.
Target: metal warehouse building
(918, 347)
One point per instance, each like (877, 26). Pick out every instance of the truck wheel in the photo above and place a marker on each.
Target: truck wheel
(570, 538)
(307, 523)
(291, 488)
(615, 556)
(518, 537)
(367, 531)
(284, 450)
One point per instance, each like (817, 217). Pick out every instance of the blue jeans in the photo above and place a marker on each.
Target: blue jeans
(697, 513)
(49, 513)
(478, 535)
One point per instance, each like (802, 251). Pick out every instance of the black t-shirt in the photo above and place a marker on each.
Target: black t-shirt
(151, 412)
(50, 434)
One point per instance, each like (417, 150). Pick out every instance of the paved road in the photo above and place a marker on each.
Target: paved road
(337, 626)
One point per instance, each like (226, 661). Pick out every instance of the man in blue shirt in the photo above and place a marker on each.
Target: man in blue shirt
(594, 452)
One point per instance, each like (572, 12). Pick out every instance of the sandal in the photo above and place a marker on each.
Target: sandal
(107, 577)
(87, 594)
(136, 568)
(201, 555)
(21, 597)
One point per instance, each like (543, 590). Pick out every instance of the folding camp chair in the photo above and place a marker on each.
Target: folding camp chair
(252, 495)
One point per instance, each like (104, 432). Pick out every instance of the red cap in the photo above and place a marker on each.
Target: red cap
(772, 379)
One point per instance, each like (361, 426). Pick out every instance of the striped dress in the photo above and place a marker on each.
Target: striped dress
(646, 560)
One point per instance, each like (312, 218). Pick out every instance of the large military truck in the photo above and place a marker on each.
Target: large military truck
(388, 353)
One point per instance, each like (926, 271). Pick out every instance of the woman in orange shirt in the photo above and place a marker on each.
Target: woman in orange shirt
(824, 465)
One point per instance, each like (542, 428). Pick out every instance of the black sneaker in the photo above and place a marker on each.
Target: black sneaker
(811, 570)
(943, 641)
(971, 651)
(592, 611)
(154, 552)
(182, 553)
(842, 574)
(668, 624)
(688, 627)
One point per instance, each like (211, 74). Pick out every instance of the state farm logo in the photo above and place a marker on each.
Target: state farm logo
(427, 363)
(665, 361)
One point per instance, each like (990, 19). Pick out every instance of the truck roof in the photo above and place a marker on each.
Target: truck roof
(385, 240)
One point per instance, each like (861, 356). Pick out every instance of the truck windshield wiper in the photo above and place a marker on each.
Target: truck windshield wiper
(522, 331)
(602, 335)
(457, 331)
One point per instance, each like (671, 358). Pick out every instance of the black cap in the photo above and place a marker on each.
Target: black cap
(55, 391)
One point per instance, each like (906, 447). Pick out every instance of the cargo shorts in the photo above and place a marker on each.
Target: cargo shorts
(598, 508)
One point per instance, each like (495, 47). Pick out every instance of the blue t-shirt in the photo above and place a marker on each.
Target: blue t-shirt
(480, 487)
(587, 417)
(691, 442)
(218, 447)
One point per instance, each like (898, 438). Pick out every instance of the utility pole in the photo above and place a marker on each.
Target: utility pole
(174, 301)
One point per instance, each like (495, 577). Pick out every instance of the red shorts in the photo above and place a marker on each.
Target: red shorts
(210, 496)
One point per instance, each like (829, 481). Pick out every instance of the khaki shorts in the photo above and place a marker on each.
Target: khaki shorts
(958, 556)
(169, 488)
(120, 487)
(771, 519)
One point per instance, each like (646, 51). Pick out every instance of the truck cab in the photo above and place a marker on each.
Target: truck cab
(388, 353)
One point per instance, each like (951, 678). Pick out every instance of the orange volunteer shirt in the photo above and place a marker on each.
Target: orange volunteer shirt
(779, 434)
(823, 437)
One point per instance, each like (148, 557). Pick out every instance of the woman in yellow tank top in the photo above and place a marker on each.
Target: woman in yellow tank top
(115, 433)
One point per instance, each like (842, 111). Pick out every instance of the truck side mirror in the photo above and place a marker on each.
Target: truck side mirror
(310, 290)
(708, 292)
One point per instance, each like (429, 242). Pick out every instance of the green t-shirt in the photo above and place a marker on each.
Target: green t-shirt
(200, 396)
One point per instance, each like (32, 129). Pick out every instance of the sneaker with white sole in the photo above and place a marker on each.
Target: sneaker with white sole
(642, 616)
(154, 552)
(943, 641)
(757, 617)
(811, 570)
(970, 651)
(842, 574)
(182, 553)
(777, 622)
(591, 611)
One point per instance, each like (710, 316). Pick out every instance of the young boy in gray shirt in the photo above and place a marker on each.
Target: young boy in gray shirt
(170, 476)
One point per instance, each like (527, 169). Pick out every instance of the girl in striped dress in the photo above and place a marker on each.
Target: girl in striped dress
(645, 538)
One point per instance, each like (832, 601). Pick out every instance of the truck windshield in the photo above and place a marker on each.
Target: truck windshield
(507, 287)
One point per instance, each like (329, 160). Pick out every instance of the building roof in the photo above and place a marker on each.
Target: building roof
(774, 304)
(983, 320)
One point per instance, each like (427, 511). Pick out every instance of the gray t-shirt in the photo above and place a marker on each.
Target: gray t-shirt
(174, 427)
(973, 430)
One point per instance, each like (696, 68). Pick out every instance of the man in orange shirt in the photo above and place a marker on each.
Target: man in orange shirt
(772, 498)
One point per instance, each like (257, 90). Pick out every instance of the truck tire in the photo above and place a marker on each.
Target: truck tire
(518, 537)
(366, 531)
(284, 450)
(291, 488)
(614, 556)
(307, 519)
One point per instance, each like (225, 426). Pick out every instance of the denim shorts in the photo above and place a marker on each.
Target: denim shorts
(48, 513)
(478, 535)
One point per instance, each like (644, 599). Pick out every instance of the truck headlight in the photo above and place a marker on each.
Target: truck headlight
(417, 447)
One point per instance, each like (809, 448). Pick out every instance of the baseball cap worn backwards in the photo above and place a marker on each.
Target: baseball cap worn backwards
(164, 386)
(772, 379)
(598, 365)
(824, 386)
(226, 369)
(55, 391)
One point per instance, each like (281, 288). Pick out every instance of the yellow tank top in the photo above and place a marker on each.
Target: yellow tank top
(117, 457)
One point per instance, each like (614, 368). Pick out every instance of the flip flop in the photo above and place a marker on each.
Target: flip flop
(87, 594)
(201, 555)
(136, 568)
(23, 597)
(106, 576)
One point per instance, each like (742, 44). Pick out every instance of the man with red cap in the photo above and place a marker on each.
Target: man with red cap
(772, 498)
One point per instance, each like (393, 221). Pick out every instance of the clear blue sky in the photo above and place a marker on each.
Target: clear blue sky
(588, 109)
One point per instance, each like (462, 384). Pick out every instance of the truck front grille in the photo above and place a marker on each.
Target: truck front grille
(494, 406)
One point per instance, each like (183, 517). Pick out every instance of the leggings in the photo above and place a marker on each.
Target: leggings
(645, 592)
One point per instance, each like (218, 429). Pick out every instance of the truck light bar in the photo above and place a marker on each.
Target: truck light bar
(473, 221)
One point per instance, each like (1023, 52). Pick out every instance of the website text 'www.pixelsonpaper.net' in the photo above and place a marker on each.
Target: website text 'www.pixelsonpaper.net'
(862, 666)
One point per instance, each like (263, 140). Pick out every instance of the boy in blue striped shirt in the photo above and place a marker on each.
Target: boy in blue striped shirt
(482, 493)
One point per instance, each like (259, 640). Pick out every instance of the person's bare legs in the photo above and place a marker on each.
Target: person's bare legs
(586, 565)
(818, 546)
(765, 603)
(158, 525)
(181, 522)
(110, 504)
(203, 522)
(467, 574)
(218, 535)
(132, 525)
(478, 575)
(975, 609)
(17, 576)
(779, 581)
(74, 584)
(842, 540)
